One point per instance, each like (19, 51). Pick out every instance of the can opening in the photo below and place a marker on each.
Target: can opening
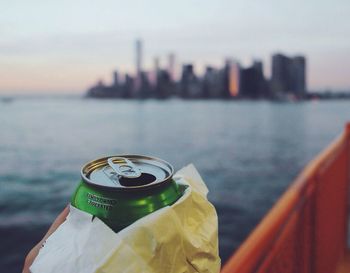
(144, 179)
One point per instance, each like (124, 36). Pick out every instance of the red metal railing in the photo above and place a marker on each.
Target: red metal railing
(306, 231)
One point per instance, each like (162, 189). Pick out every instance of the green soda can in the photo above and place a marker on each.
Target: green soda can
(121, 189)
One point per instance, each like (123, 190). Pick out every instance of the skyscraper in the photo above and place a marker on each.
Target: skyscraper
(156, 71)
(165, 86)
(138, 47)
(171, 66)
(280, 73)
(138, 79)
(252, 82)
(189, 83)
(230, 79)
(288, 75)
(212, 83)
(233, 78)
(115, 78)
(156, 64)
(299, 66)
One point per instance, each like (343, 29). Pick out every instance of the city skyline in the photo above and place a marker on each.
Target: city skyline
(231, 81)
(64, 46)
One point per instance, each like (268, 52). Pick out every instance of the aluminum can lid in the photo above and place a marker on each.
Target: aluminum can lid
(127, 172)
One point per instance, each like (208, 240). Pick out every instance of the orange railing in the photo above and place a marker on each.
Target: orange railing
(306, 231)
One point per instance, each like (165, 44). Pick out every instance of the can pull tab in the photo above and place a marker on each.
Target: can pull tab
(124, 167)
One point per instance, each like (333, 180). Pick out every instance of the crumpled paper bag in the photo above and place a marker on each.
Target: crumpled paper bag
(175, 239)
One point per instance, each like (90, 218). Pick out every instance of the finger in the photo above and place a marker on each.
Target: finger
(34, 252)
(58, 221)
(30, 258)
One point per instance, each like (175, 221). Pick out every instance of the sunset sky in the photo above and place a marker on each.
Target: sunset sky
(65, 46)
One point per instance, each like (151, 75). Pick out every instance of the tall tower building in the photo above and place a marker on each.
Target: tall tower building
(156, 71)
(231, 79)
(156, 64)
(234, 73)
(138, 48)
(280, 77)
(252, 81)
(115, 78)
(137, 88)
(288, 74)
(299, 65)
(171, 66)
(189, 83)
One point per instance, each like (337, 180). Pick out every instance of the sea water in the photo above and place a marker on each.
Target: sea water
(247, 152)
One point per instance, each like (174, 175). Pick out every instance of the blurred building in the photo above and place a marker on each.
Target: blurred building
(233, 78)
(165, 86)
(102, 90)
(299, 66)
(212, 83)
(288, 75)
(288, 80)
(252, 82)
(138, 56)
(95, 90)
(138, 63)
(145, 87)
(171, 66)
(155, 71)
(115, 79)
(128, 86)
(225, 78)
(189, 83)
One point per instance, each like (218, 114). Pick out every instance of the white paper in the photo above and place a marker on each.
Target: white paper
(175, 239)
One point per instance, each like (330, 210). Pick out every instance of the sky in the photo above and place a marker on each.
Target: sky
(66, 46)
